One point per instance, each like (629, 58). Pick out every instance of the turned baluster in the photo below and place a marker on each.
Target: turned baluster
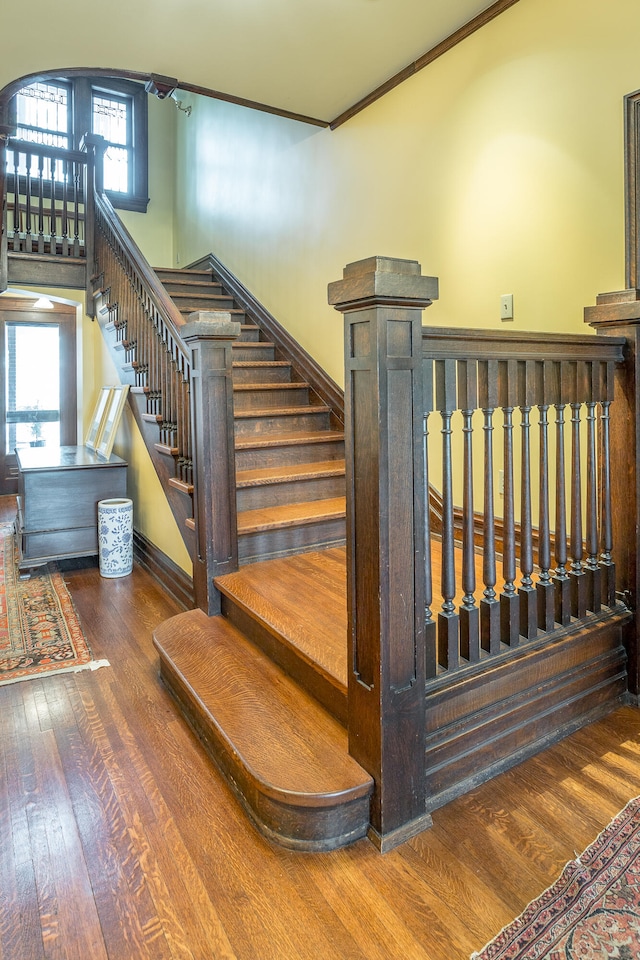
(526, 592)
(28, 195)
(17, 216)
(561, 577)
(429, 623)
(592, 571)
(448, 654)
(606, 560)
(64, 214)
(509, 600)
(469, 612)
(578, 386)
(40, 203)
(548, 388)
(489, 605)
(78, 192)
(53, 213)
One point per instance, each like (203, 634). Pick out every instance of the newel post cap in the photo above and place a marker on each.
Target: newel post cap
(210, 325)
(387, 279)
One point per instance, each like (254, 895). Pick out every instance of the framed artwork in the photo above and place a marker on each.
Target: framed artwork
(113, 413)
(98, 418)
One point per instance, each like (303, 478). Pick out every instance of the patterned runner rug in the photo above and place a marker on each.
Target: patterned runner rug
(40, 632)
(592, 912)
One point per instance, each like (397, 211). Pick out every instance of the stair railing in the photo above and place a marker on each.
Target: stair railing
(420, 404)
(150, 329)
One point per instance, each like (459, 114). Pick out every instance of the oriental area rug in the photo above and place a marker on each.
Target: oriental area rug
(592, 912)
(40, 633)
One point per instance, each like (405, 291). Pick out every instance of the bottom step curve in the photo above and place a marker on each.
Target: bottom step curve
(284, 756)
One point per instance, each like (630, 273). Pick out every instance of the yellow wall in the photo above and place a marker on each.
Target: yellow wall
(499, 167)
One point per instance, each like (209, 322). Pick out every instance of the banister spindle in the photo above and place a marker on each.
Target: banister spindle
(526, 592)
(592, 570)
(53, 214)
(17, 216)
(561, 576)
(509, 600)
(28, 187)
(448, 652)
(549, 388)
(429, 623)
(576, 573)
(606, 559)
(469, 612)
(40, 203)
(489, 605)
(64, 215)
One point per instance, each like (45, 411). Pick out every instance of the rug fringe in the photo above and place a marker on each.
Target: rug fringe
(92, 665)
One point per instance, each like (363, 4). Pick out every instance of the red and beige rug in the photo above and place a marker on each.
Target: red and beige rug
(592, 912)
(40, 633)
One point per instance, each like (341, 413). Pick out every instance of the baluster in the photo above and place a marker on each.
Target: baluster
(509, 600)
(53, 216)
(489, 605)
(527, 592)
(593, 572)
(64, 222)
(17, 216)
(40, 204)
(561, 577)
(448, 655)
(548, 390)
(576, 573)
(469, 612)
(429, 622)
(606, 560)
(28, 191)
(77, 188)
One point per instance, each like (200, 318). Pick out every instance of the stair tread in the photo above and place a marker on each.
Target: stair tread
(289, 439)
(290, 515)
(183, 271)
(302, 601)
(280, 474)
(281, 411)
(261, 363)
(289, 747)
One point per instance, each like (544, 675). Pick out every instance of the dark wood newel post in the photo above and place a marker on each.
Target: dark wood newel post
(383, 300)
(95, 147)
(209, 336)
(618, 315)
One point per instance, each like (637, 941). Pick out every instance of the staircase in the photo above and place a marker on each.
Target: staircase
(264, 685)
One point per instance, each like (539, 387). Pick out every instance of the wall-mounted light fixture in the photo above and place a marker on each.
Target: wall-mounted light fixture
(165, 88)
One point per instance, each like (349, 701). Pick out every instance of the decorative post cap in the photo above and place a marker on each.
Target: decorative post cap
(210, 325)
(383, 278)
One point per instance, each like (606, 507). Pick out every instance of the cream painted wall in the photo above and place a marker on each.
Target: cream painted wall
(499, 167)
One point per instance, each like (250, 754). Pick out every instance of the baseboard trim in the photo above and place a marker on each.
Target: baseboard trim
(162, 568)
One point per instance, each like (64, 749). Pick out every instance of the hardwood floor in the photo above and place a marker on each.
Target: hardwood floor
(119, 840)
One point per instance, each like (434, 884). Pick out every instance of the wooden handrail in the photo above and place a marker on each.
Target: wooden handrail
(478, 344)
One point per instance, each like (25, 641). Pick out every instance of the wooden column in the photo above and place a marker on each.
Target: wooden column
(382, 300)
(209, 336)
(618, 315)
(95, 147)
(3, 215)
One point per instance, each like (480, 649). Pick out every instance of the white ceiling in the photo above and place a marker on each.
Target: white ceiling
(313, 57)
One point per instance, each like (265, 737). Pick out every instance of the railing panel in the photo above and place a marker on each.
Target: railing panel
(565, 379)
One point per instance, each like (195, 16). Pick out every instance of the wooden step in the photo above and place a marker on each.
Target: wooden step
(167, 274)
(285, 757)
(258, 350)
(295, 483)
(202, 301)
(295, 609)
(290, 528)
(265, 371)
(288, 448)
(281, 420)
(247, 396)
(192, 286)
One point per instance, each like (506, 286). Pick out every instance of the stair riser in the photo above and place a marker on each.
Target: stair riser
(262, 399)
(294, 491)
(256, 457)
(184, 288)
(166, 275)
(293, 423)
(261, 352)
(326, 691)
(202, 303)
(287, 540)
(249, 334)
(262, 374)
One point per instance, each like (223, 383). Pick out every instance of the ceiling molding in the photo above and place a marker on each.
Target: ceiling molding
(409, 71)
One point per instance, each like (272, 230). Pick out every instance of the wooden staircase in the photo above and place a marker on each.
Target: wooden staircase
(264, 684)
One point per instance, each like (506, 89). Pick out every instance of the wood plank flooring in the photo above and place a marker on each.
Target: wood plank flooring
(120, 841)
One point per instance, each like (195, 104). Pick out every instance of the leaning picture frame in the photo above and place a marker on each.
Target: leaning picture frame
(98, 418)
(113, 414)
